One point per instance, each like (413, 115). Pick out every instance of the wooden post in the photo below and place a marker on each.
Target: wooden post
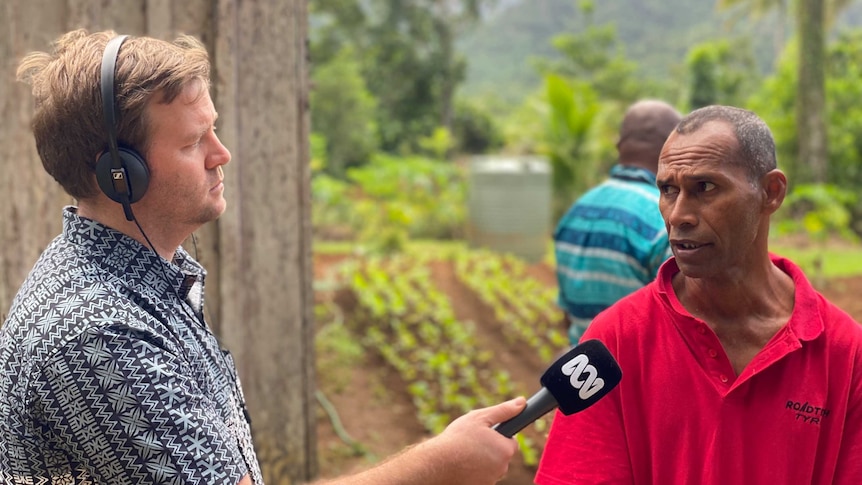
(30, 200)
(258, 255)
(265, 236)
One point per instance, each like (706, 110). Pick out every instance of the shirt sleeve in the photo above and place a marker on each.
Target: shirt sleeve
(128, 410)
(589, 447)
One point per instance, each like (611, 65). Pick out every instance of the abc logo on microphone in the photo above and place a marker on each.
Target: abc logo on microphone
(582, 376)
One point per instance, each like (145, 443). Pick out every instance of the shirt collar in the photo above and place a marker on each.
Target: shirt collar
(128, 259)
(636, 174)
(806, 321)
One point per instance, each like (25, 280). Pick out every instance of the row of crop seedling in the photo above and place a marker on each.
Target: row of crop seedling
(401, 315)
(524, 307)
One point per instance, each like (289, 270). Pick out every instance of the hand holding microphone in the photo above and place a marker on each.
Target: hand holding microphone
(467, 451)
(576, 381)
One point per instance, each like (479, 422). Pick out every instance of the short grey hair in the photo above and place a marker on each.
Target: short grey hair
(756, 151)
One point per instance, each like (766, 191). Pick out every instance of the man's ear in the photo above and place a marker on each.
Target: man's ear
(774, 185)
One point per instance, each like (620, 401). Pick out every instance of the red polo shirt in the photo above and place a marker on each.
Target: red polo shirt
(681, 416)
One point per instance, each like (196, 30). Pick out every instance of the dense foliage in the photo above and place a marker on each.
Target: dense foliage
(391, 199)
(387, 76)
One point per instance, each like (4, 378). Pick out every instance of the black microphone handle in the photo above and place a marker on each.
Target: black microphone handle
(538, 405)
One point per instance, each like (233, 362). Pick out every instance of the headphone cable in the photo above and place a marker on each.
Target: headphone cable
(223, 351)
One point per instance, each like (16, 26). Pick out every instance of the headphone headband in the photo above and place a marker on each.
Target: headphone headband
(109, 104)
(121, 172)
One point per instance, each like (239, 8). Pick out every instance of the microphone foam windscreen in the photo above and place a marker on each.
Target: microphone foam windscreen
(583, 376)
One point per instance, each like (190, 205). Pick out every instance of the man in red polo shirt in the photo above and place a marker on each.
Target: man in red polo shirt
(735, 370)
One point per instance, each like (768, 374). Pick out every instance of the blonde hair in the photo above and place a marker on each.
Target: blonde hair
(68, 122)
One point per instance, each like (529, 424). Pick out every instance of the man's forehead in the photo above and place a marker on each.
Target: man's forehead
(701, 169)
(706, 142)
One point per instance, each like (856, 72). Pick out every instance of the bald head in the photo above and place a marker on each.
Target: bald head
(645, 127)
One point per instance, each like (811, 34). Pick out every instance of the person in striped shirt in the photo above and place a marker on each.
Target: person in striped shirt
(612, 240)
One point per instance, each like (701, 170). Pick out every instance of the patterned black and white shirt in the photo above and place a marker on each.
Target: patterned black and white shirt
(108, 376)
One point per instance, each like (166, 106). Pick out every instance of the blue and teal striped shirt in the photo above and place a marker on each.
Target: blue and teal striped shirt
(610, 243)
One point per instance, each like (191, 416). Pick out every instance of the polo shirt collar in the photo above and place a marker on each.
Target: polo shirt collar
(806, 321)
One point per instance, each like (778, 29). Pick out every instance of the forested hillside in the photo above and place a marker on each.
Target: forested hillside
(656, 34)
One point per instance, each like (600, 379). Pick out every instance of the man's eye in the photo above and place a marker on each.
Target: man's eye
(707, 186)
(669, 189)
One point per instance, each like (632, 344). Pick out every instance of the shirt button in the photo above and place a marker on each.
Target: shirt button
(701, 329)
(723, 378)
(712, 353)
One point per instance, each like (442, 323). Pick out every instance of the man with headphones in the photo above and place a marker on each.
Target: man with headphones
(108, 370)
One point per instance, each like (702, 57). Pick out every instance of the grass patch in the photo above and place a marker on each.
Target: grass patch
(833, 261)
(436, 248)
(424, 246)
(336, 347)
(837, 259)
(334, 247)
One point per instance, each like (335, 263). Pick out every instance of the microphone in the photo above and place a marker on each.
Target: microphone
(575, 382)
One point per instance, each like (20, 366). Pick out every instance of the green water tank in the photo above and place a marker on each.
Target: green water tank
(509, 205)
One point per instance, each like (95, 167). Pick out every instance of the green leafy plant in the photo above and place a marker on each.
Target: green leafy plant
(412, 326)
(525, 309)
(391, 200)
(573, 108)
(820, 211)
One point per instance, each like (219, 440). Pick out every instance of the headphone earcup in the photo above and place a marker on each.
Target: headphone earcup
(137, 175)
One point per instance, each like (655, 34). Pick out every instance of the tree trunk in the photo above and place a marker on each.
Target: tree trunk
(779, 35)
(31, 200)
(811, 91)
(258, 255)
(265, 235)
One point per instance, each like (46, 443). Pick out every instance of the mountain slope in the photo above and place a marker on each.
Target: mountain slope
(657, 34)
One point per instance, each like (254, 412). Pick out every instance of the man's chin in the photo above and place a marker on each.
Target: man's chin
(211, 214)
(695, 271)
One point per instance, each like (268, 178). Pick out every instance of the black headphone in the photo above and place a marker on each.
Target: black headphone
(123, 176)
(121, 172)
